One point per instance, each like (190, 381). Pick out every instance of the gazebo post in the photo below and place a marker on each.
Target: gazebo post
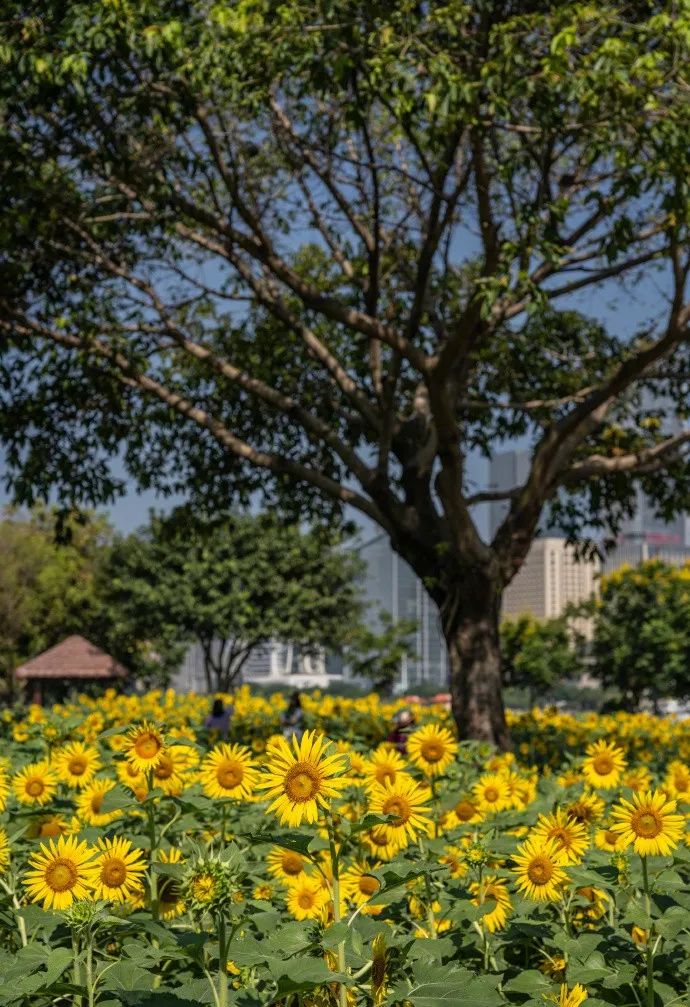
(37, 696)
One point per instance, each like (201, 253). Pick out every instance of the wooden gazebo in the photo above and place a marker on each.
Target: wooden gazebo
(75, 659)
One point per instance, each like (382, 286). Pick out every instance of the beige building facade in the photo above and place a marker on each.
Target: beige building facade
(551, 578)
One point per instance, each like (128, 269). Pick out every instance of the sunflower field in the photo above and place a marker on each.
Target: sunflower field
(144, 863)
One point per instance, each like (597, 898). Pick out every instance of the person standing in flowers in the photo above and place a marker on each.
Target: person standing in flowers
(404, 724)
(292, 719)
(218, 721)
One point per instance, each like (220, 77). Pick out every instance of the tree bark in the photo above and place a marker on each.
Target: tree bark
(470, 617)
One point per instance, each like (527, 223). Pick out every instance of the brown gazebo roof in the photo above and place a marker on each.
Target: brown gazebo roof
(75, 657)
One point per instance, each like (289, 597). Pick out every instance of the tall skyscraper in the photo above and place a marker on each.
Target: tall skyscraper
(506, 470)
(390, 585)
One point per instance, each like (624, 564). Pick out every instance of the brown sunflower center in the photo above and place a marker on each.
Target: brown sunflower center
(51, 827)
(399, 807)
(540, 871)
(61, 875)
(465, 810)
(229, 775)
(603, 764)
(646, 823)
(114, 872)
(302, 782)
(35, 787)
(491, 794)
(561, 836)
(96, 803)
(77, 765)
(306, 901)
(385, 774)
(432, 751)
(292, 863)
(147, 746)
(378, 838)
(165, 768)
(368, 885)
(611, 837)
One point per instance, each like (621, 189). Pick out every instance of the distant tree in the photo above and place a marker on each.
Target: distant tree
(377, 652)
(232, 583)
(48, 566)
(537, 654)
(641, 642)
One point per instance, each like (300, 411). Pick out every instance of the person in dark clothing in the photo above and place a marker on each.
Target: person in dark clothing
(404, 724)
(219, 719)
(292, 720)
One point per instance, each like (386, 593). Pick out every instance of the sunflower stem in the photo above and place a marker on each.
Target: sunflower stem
(335, 867)
(649, 950)
(90, 987)
(76, 971)
(430, 918)
(222, 963)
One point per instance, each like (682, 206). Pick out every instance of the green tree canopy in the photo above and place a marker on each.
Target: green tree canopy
(324, 251)
(46, 585)
(232, 583)
(537, 654)
(641, 642)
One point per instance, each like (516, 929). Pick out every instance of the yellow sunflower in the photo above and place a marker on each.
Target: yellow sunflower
(116, 873)
(286, 865)
(570, 836)
(432, 749)
(144, 746)
(649, 823)
(306, 899)
(302, 779)
(492, 793)
(493, 894)
(381, 842)
(76, 764)
(588, 808)
(171, 773)
(35, 784)
(638, 778)
(90, 802)
(229, 771)
(4, 851)
(454, 857)
(132, 778)
(408, 801)
(48, 827)
(359, 886)
(59, 873)
(4, 788)
(384, 766)
(539, 871)
(605, 839)
(676, 782)
(570, 998)
(604, 765)
(467, 811)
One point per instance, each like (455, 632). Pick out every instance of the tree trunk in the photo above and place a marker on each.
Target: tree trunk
(469, 617)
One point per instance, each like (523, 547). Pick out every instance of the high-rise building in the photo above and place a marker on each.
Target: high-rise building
(551, 578)
(390, 585)
(507, 470)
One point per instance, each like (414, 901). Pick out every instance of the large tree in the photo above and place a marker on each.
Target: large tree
(324, 251)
